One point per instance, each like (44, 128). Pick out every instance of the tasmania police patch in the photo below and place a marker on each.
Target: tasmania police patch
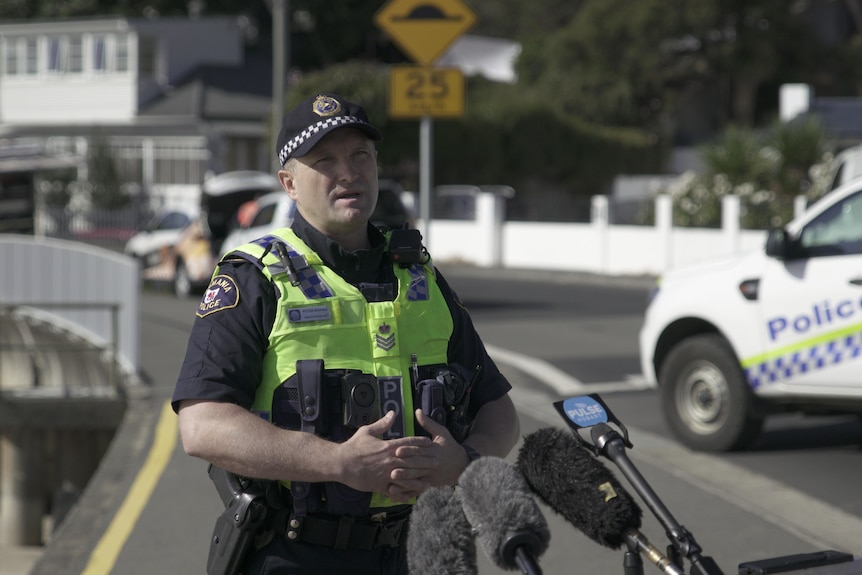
(221, 294)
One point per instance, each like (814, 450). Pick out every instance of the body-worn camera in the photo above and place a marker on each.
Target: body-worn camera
(359, 394)
(312, 398)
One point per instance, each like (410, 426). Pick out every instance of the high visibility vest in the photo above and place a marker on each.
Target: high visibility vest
(324, 317)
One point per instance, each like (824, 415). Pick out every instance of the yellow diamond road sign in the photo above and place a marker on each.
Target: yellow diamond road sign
(425, 28)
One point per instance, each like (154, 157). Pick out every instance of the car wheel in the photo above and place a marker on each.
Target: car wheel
(182, 281)
(705, 397)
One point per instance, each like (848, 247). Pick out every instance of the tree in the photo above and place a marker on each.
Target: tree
(104, 184)
(767, 171)
(641, 62)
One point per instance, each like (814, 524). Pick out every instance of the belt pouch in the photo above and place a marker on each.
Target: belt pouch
(312, 411)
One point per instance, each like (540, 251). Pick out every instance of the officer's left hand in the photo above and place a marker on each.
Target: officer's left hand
(438, 463)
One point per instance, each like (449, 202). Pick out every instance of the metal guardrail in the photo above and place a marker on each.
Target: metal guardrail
(110, 348)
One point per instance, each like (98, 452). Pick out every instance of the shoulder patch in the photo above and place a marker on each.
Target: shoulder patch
(221, 294)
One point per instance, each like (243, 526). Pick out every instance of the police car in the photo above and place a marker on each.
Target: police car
(730, 342)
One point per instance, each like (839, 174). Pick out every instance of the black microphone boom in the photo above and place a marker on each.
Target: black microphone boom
(572, 482)
(440, 539)
(509, 525)
(610, 444)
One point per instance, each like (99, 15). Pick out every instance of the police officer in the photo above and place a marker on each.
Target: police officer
(315, 350)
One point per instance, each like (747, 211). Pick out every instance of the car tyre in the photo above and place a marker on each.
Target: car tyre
(182, 281)
(706, 399)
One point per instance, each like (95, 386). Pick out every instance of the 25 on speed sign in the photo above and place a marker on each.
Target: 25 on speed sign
(417, 91)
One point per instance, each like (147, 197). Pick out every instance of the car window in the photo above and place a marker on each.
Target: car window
(390, 211)
(264, 216)
(173, 221)
(837, 231)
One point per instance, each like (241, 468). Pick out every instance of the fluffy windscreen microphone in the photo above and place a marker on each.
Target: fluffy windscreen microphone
(572, 482)
(508, 523)
(440, 539)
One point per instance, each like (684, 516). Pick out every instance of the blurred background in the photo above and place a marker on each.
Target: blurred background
(132, 131)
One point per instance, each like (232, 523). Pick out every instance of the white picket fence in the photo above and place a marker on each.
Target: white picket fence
(594, 247)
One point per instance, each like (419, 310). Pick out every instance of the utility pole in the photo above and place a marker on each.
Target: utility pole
(280, 63)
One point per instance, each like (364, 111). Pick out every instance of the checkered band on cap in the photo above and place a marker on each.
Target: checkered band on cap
(291, 145)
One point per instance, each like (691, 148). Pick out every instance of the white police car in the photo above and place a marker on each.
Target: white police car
(730, 342)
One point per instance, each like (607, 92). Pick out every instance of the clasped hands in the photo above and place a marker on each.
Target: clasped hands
(405, 467)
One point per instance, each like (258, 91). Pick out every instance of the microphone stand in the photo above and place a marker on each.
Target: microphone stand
(518, 548)
(632, 562)
(610, 443)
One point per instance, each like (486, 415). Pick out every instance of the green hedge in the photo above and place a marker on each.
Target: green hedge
(502, 139)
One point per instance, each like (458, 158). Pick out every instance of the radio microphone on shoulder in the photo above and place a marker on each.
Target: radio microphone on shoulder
(440, 539)
(509, 525)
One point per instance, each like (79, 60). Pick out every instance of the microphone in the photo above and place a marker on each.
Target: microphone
(439, 538)
(508, 523)
(572, 482)
(611, 444)
(590, 412)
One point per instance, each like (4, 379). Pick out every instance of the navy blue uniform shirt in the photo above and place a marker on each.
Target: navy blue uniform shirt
(226, 346)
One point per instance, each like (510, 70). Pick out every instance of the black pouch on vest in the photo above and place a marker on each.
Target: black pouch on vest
(309, 401)
(432, 401)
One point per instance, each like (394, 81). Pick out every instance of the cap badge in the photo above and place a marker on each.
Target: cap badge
(324, 106)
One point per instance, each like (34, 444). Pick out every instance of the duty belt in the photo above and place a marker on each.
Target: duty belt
(343, 532)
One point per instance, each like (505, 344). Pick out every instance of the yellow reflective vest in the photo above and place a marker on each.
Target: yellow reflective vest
(324, 317)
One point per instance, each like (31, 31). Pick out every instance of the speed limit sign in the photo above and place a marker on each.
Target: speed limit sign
(419, 91)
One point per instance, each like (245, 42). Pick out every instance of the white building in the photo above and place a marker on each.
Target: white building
(174, 98)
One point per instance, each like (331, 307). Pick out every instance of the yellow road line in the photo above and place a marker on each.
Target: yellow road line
(105, 554)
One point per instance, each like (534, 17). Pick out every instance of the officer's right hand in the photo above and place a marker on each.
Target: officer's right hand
(367, 460)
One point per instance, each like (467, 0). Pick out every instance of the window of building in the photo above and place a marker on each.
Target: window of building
(100, 54)
(76, 55)
(147, 57)
(122, 53)
(68, 54)
(56, 55)
(31, 56)
(10, 49)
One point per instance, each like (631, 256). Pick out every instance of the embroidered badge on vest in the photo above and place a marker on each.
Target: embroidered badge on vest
(221, 294)
(385, 340)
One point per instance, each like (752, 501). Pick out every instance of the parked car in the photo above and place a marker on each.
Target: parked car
(188, 264)
(458, 201)
(276, 210)
(163, 230)
(848, 166)
(271, 211)
(390, 211)
(730, 342)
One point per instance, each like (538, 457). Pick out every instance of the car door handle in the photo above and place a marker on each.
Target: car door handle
(856, 281)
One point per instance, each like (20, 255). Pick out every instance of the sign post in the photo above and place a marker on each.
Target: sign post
(424, 29)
